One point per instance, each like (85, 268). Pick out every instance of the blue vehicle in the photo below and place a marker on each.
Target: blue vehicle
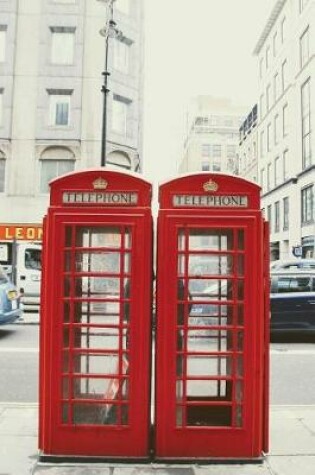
(10, 309)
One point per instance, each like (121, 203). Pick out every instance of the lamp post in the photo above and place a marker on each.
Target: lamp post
(109, 31)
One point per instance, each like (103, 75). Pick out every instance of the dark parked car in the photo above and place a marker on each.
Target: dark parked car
(10, 309)
(292, 302)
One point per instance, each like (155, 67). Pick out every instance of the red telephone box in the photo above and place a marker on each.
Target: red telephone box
(212, 320)
(95, 317)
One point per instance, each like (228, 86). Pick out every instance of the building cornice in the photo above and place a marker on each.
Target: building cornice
(270, 22)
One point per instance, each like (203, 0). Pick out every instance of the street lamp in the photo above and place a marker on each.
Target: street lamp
(109, 31)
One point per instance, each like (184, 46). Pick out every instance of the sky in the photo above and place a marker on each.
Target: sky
(195, 47)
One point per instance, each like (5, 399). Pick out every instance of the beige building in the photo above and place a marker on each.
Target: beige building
(285, 161)
(51, 61)
(212, 135)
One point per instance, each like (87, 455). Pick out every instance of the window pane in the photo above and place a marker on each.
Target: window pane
(62, 48)
(2, 45)
(51, 169)
(2, 175)
(119, 117)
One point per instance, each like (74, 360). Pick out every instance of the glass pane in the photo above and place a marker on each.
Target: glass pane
(68, 240)
(202, 265)
(209, 365)
(109, 237)
(97, 312)
(97, 262)
(210, 239)
(206, 388)
(181, 241)
(99, 338)
(96, 287)
(210, 314)
(214, 340)
(240, 244)
(89, 414)
(240, 264)
(96, 364)
(128, 240)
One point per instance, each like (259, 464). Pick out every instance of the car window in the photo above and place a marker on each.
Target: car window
(293, 284)
(33, 259)
(3, 276)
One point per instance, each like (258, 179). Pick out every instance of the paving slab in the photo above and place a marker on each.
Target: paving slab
(297, 465)
(291, 431)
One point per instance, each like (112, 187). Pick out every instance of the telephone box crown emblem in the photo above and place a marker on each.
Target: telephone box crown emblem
(100, 184)
(210, 185)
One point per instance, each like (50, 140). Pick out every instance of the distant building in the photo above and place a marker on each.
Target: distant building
(212, 136)
(51, 61)
(285, 139)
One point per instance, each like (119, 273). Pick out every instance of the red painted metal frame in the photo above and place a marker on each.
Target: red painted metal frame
(190, 441)
(59, 434)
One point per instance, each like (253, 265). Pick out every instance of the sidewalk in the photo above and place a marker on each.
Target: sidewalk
(292, 449)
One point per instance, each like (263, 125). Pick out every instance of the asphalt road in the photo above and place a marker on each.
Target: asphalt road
(292, 368)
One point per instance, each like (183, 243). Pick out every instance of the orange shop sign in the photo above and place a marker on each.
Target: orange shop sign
(21, 232)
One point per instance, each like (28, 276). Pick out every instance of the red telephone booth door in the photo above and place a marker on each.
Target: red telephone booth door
(96, 368)
(210, 329)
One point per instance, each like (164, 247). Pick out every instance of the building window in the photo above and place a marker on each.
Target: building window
(307, 200)
(120, 113)
(285, 165)
(275, 43)
(276, 86)
(51, 169)
(268, 137)
(205, 165)
(206, 150)
(304, 47)
(285, 213)
(1, 106)
(284, 75)
(285, 120)
(262, 145)
(306, 124)
(303, 4)
(283, 29)
(217, 149)
(3, 37)
(276, 129)
(262, 179)
(62, 45)
(267, 57)
(269, 215)
(2, 173)
(121, 55)
(268, 97)
(216, 166)
(277, 171)
(261, 104)
(123, 6)
(59, 107)
(230, 151)
(269, 176)
(277, 216)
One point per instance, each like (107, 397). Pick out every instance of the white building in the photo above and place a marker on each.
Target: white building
(284, 140)
(51, 61)
(212, 135)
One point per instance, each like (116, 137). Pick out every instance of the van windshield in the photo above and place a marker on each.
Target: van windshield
(33, 259)
(3, 276)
